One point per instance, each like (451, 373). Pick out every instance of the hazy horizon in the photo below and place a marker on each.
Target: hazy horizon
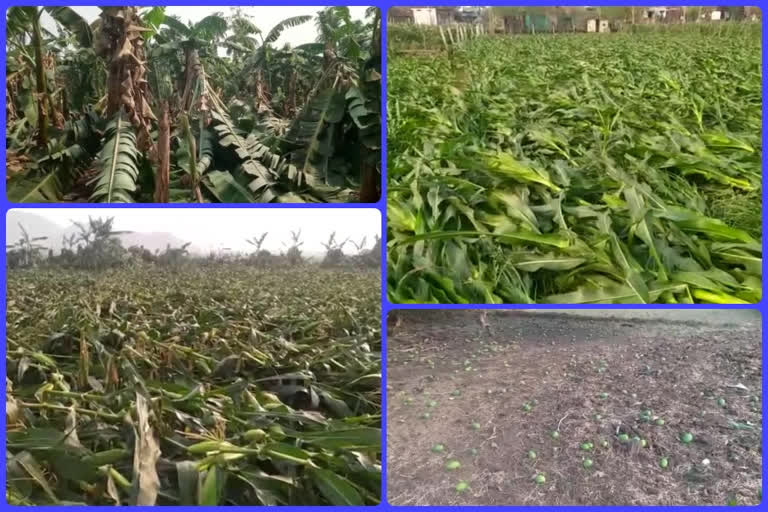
(218, 228)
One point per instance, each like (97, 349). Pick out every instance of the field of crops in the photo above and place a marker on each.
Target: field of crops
(558, 409)
(157, 385)
(578, 168)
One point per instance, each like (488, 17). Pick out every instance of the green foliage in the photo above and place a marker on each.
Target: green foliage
(119, 164)
(138, 376)
(585, 177)
(287, 143)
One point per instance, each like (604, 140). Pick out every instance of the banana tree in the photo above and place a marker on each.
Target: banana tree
(192, 39)
(335, 141)
(26, 251)
(23, 25)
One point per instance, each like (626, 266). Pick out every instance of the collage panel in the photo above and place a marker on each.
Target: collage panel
(189, 351)
(633, 407)
(193, 104)
(193, 357)
(574, 155)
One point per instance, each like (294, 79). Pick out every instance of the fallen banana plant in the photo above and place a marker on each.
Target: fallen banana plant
(129, 389)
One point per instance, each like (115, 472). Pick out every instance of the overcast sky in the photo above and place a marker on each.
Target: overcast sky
(216, 228)
(263, 17)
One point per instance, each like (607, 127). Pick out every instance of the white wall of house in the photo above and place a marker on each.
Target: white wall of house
(426, 16)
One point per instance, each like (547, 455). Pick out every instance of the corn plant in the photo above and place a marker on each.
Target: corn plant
(579, 168)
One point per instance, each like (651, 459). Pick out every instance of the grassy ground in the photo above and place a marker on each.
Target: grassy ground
(490, 397)
(115, 379)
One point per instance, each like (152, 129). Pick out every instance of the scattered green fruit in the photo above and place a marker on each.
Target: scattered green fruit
(452, 464)
(663, 463)
(587, 463)
(555, 434)
(540, 478)
(462, 486)
(623, 438)
(438, 448)
(531, 454)
(686, 437)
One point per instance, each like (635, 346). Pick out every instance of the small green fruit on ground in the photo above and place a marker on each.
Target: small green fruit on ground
(438, 448)
(604, 443)
(462, 486)
(663, 463)
(660, 421)
(452, 464)
(540, 478)
(531, 454)
(587, 463)
(686, 437)
(555, 434)
(721, 402)
(623, 438)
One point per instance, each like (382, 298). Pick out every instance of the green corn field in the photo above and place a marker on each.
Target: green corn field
(196, 384)
(576, 168)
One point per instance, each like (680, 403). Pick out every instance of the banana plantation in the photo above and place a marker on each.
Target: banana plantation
(172, 378)
(139, 106)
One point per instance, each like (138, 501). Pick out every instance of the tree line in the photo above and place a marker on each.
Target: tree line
(96, 245)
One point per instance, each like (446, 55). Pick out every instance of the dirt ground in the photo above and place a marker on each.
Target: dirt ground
(491, 395)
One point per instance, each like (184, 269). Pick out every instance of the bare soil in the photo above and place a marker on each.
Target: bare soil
(590, 379)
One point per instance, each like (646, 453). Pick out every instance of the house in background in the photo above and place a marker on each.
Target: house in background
(400, 15)
(423, 15)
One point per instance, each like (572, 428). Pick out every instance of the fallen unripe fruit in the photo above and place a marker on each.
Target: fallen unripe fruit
(453, 464)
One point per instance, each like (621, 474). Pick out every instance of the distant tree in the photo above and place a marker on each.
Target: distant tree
(99, 246)
(293, 254)
(334, 254)
(25, 252)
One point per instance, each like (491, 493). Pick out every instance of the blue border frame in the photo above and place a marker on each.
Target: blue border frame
(386, 306)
